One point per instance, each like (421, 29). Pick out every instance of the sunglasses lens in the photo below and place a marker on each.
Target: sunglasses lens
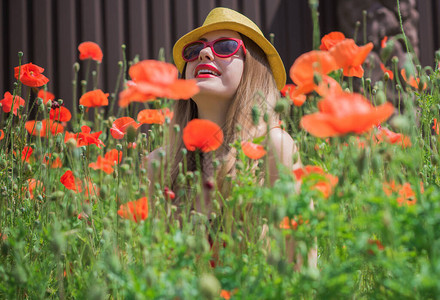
(191, 51)
(225, 47)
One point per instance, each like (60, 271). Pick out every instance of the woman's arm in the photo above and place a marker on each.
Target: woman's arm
(281, 150)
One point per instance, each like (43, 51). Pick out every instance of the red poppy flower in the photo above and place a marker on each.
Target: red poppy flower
(131, 94)
(90, 50)
(383, 42)
(45, 95)
(287, 223)
(169, 194)
(30, 75)
(387, 135)
(90, 190)
(34, 185)
(342, 113)
(55, 127)
(107, 162)
(435, 126)
(26, 153)
(324, 185)
(94, 98)
(60, 114)
(253, 151)
(154, 116)
(350, 57)
(86, 138)
(405, 192)
(134, 210)
(290, 91)
(307, 66)
(378, 244)
(327, 85)
(225, 294)
(202, 134)
(156, 79)
(330, 40)
(414, 82)
(56, 163)
(121, 125)
(387, 71)
(7, 103)
(114, 156)
(71, 182)
(102, 164)
(2, 134)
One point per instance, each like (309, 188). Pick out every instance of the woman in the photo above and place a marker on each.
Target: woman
(238, 71)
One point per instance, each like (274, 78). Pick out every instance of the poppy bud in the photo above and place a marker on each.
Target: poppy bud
(381, 98)
(437, 55)
(131, 134)
(209, 184)
(368, 81)
(81, 108)
(176, 128)
(180, 178)
(209, 286)
(423, 81)
(386, 76)
(265, 117)
(282, 106)
(386, 52)
(119, 147)
(20, 54)
(255, 115)
(155, 164)
(317, 78)
(76, 67)
(184, 151)
(400, 123)
(395, 60)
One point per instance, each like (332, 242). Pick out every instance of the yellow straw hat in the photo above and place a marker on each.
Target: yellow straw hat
(222, 18)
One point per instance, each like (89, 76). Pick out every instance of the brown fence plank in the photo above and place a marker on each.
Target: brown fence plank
(66, 53)
(251, 8)
(113, 40)
(162, 24)
(3, 41)
(137, 29)
(229, 3)
(184, 16)
(42, 32)
(18, 37)
(426, 46)
(202, 8)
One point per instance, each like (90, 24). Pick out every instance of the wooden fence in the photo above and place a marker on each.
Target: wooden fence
(49, 31)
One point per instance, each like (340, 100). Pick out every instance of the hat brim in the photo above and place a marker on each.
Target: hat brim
(275, 62)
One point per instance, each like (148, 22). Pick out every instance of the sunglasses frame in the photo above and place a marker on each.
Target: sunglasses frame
(211, 45)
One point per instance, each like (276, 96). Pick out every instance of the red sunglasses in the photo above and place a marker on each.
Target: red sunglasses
(222, 47)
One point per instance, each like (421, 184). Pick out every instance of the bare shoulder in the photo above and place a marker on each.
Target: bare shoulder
(283, 147)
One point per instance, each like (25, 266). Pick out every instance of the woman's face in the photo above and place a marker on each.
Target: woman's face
(223, 80)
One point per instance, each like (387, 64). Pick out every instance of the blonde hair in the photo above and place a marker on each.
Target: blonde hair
(258, 89)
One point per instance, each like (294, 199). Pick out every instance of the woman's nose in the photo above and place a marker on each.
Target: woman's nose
(206, 53)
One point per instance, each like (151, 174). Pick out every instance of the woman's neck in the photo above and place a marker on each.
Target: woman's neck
(214, 111)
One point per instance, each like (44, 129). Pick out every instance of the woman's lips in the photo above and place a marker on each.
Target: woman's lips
(206, 71)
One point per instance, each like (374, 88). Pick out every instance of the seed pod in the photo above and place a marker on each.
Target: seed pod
(255, 115)
(209, 286)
